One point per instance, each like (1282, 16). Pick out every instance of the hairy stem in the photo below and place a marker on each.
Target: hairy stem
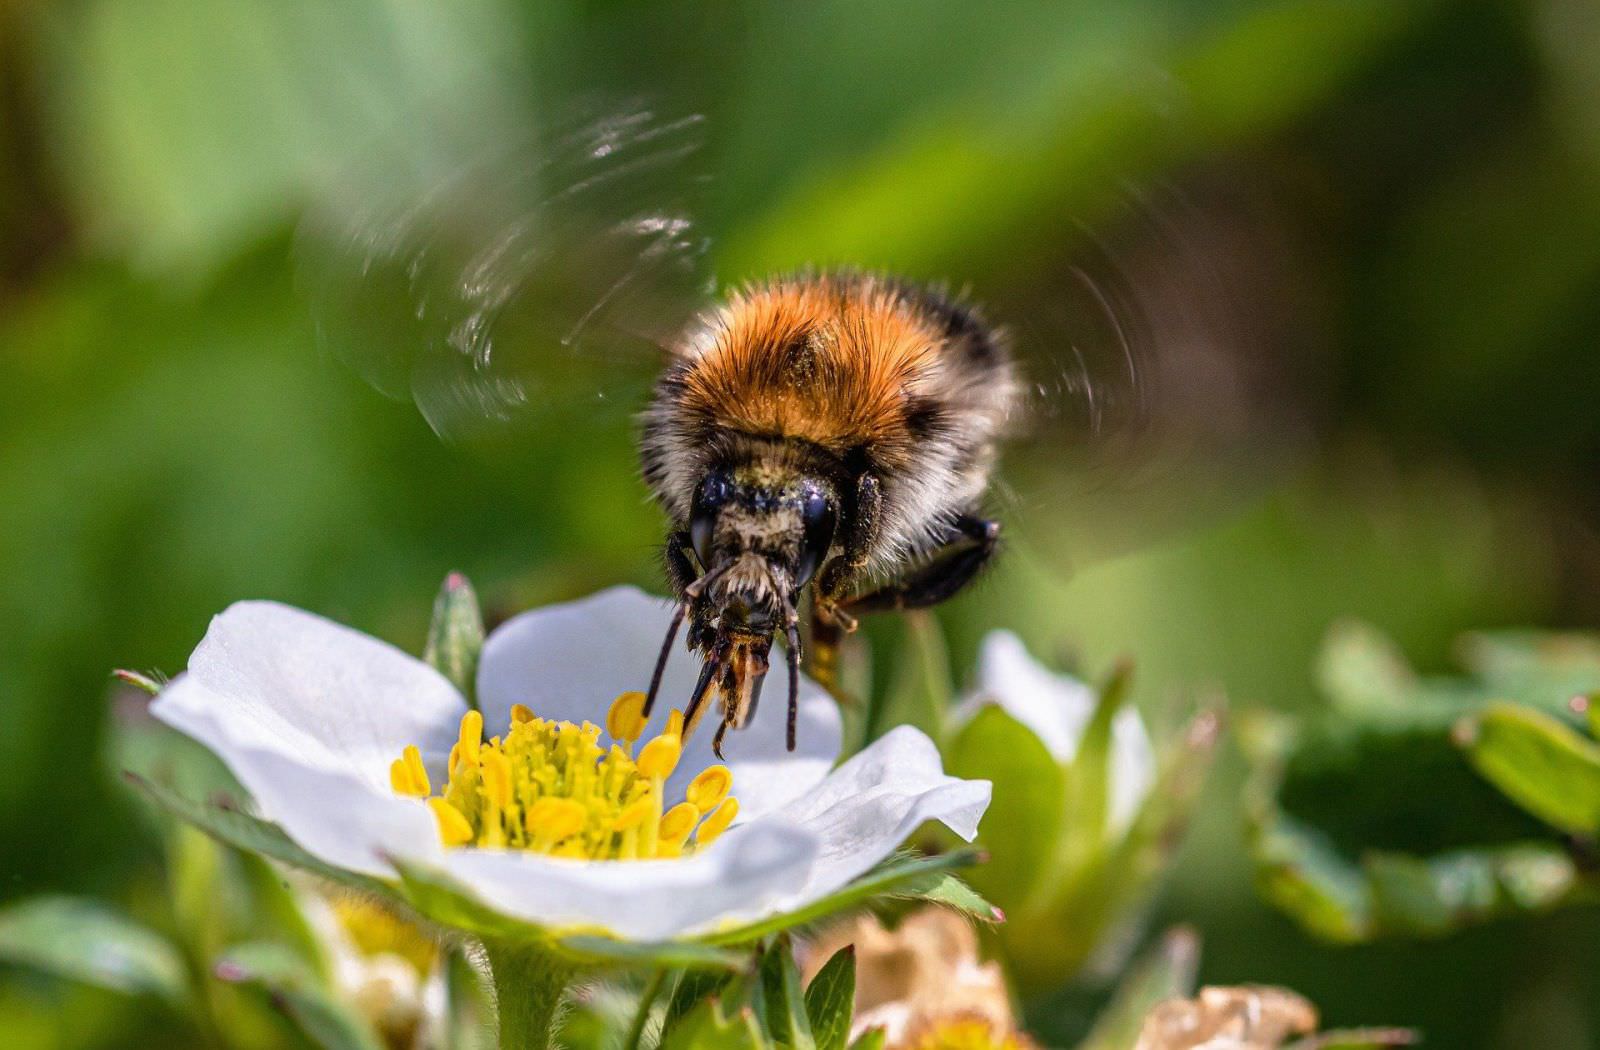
(530, 985)
(641, 1017)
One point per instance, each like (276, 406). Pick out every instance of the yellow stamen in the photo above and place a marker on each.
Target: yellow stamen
(660, 756)
(496, 771)
(407, 775)
(717, 823)
(625, 720)
(634, 814)
(555, 819)
(708, 789)
(679, 822)
(556, 788)
(471, 737)
(454, 830)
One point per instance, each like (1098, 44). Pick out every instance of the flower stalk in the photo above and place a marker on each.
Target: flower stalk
(530, 990)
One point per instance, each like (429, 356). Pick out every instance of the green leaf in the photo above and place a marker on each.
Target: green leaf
(1539, 667)
(84, 940)
(455, 635)
(871, 1039)
(1540, 763)
(1360, 669)
(1168, 970)
(1023, 826)
(243, 831)
(294, 989)
(831, 1000)
(787, 1020)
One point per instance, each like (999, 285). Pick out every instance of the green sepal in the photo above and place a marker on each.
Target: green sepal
(787, 1020)
(1164, 972)
(294, 989)
(1089, 772)
(921, 690)
(1539, 762)
(707, 1028)
(1096, 892)
(1023, 826)
(871, 1039)
(906, 876)
(831, 1000)
(87, 941)
(455, 635)
(693, 988)
(243, 831)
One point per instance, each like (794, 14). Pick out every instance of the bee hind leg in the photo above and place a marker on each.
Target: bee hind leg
(973, 544)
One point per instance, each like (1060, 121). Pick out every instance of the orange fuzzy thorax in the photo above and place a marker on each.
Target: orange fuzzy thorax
(836, 364)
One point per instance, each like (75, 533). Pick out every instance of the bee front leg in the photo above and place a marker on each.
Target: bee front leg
(682, 568)
(829, 622)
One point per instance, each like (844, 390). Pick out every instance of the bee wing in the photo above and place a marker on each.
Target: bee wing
(542, 278)
(1170, 364)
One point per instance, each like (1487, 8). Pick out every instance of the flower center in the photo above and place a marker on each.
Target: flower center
(551, 787)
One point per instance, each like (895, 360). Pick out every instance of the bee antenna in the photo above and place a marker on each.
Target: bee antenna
(690, 593)
(661, 661)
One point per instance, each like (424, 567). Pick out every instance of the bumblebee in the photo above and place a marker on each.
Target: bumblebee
(831, 433)
(823, 440)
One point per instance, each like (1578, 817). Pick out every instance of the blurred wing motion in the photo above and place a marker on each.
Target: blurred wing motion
(1170, 361)
(532, 280)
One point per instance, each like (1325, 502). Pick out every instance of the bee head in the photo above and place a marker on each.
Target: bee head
(764, 535)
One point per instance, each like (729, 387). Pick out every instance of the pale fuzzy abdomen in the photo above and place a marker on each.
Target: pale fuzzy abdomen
(861, 371)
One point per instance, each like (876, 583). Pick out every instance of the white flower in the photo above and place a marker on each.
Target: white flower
(1058, 707)
(311, 716)
(384, 966)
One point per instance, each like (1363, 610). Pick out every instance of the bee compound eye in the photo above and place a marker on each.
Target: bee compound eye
(819, 517)
(709, 498)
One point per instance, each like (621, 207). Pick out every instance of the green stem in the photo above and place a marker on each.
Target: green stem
(641, 1017)
(530, 984)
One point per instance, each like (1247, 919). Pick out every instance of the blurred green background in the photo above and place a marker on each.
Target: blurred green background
(1424, 173)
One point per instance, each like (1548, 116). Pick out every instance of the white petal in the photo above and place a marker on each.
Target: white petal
(869, 806)
(570, 661)
(308, 715)
(1058, 707)
(745, 871)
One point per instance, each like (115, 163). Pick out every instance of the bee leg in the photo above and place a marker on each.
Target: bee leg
(958, 564)
(857, 546)
(792, 645)
(829, 622)
(716, 741)
(680, 559)
(702, 688)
